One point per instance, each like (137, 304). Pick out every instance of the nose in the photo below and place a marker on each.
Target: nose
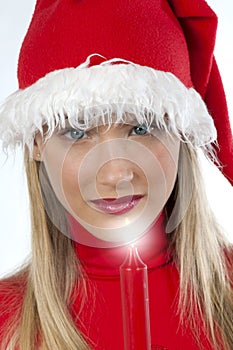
(114, 171)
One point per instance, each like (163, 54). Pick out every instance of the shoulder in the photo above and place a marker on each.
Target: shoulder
(11, 298)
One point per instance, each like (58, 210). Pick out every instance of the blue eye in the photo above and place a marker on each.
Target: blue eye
(140, 130)
(75, 134)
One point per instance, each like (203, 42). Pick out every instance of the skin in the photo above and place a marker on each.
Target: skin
(102, 163)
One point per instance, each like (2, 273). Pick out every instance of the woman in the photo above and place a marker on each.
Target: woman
(111, 158)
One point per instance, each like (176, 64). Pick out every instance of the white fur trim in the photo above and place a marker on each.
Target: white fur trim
(98, 92)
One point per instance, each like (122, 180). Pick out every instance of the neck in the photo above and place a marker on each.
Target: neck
(152, 246)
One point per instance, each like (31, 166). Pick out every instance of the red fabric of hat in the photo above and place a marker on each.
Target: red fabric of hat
(199, 25)
(176, 36)
(64, 33)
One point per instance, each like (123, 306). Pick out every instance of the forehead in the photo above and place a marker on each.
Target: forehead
(106, 120)
(99, 123)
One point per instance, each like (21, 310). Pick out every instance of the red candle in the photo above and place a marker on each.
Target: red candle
(135, 302)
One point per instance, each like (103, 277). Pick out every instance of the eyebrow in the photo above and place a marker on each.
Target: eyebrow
(126, 119)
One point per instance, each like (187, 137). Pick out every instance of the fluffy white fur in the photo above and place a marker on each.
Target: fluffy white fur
(87, 95)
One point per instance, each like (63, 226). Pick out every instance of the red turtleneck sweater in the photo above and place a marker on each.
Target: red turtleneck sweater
(101, 317)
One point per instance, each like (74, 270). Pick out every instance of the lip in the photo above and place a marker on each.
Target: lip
(117, 206)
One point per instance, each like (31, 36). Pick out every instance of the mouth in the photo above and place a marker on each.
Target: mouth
(117, 206)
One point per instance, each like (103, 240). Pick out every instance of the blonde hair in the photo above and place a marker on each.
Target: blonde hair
(199, 252)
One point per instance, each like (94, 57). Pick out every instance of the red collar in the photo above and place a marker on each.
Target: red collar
(97, 262)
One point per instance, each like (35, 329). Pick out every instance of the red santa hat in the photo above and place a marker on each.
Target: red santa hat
(91, 57)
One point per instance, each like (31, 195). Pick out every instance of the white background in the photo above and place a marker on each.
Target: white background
(14, 211)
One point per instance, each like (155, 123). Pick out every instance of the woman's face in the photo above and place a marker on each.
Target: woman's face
(111, 176)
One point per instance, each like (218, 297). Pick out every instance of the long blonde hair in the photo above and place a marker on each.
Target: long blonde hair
(200, 254)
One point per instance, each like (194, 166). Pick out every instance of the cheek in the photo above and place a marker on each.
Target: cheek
(73, 198)
(70, 172)
(167, 155)
(62, 166)
(169, 166)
